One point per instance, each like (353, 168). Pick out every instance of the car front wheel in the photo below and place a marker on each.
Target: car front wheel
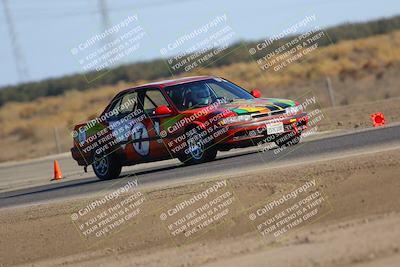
(197, 150)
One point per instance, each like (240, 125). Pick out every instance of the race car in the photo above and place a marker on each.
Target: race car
(189, 118)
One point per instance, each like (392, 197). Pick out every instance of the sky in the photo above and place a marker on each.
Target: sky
(47, 30)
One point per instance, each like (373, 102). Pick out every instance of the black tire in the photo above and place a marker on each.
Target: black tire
(289, 139)
(196, 150)
(106, 167)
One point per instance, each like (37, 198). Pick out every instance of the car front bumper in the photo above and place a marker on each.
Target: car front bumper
(240, 134)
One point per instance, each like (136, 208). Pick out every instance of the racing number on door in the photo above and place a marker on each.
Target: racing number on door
(140, 138)
(140, 131)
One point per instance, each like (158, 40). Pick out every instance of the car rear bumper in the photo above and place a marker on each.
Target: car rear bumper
(77, 155)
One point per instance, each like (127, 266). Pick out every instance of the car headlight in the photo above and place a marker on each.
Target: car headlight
(230, 120)
(293, 110)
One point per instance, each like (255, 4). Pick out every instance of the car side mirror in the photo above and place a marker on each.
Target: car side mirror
(256, 93)
(162, 110)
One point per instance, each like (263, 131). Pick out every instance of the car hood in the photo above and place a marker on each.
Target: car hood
(257, 105)
(239, 107)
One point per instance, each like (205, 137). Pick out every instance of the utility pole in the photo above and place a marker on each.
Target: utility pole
(330, 91)
(57, 140)
(105, 19)
(22, 69)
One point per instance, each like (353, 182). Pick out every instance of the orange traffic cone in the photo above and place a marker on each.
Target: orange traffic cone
(378, 119)
(57, 171)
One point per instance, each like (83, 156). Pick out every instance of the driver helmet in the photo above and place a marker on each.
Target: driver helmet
(200, 96)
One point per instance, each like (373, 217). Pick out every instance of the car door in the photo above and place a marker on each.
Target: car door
(121, 117)
(147, 143)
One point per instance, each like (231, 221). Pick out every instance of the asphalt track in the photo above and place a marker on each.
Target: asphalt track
(158, 176)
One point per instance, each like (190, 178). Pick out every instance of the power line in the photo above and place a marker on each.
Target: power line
(22, 68)
(95, 11)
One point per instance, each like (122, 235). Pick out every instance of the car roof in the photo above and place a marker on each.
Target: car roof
(165, 83)
(183, 80)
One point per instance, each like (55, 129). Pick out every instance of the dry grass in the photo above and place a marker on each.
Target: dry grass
(362, 71)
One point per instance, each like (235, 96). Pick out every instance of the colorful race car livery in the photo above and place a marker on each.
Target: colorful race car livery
(189, 119)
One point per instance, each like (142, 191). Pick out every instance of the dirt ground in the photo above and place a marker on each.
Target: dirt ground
(357, 224)
(358, 116)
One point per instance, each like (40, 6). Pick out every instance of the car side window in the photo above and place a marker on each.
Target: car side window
(191, 96)
(128, 103)
(124, 105)
(177, 96)
(152, 99)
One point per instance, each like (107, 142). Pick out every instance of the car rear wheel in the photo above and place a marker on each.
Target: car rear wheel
(197, 150)
(106, 167)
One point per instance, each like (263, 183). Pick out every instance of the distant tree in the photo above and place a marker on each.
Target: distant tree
(156, 69)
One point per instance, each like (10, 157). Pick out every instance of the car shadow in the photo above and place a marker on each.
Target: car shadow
(93, 180)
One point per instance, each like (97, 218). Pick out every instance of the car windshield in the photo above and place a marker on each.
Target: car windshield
(203, 93)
